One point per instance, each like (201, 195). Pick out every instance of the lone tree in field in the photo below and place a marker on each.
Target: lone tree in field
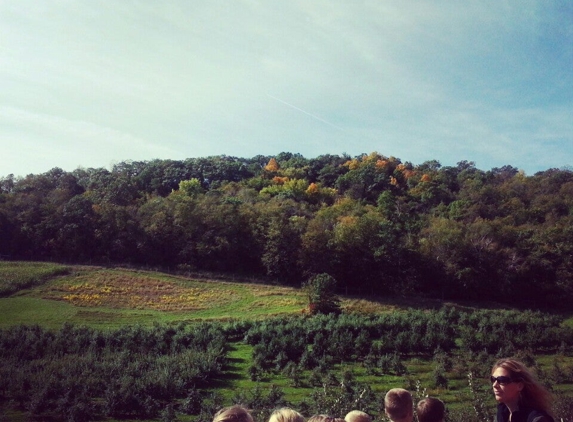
(321, 297)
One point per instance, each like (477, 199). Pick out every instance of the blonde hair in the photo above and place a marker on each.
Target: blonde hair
(357, 416)
(320, 418)
(235, 413)
(286, 414)
(398, 404)
(533, 395)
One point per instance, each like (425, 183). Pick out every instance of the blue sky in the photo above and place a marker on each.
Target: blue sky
(93, 83)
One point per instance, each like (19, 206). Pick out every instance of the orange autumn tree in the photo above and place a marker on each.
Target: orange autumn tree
(272, 166)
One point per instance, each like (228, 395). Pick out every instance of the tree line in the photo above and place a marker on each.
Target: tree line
(376, 224)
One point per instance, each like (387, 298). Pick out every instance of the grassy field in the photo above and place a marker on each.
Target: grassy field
(51, 295)
(15, 276)
(101, 297)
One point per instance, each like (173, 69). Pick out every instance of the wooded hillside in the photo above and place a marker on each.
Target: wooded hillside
(376, 224)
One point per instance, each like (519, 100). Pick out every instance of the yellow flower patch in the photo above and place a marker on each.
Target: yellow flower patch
(140, 292)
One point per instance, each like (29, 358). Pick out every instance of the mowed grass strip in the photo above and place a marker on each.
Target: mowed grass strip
(52, 314)
(15, 276)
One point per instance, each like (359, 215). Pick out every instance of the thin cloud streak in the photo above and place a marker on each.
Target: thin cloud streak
(307, 113)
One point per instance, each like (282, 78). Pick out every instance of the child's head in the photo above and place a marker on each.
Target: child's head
(398, 405)
(286, 414)
(431, 410)
(233, 414)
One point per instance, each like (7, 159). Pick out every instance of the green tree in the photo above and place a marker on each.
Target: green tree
(191, 187)
(321, 294)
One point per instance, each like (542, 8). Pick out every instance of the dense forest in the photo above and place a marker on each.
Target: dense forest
(376, 224)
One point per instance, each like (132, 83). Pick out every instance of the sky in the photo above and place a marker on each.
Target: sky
(96, 82)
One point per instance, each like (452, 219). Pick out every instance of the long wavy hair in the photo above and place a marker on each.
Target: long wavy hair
(534, 395)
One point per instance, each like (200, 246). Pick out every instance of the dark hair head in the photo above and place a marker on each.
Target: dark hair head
(430, 410)
(398, 404)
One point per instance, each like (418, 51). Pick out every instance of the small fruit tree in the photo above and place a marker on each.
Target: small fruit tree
(321, 294)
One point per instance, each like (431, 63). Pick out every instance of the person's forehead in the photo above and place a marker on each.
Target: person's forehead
(499, 371)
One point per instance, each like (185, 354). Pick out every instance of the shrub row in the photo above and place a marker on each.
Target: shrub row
(80, 373)
(325, 339)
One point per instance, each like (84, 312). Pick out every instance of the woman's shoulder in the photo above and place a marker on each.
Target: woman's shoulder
(538, 416)
(524, 414)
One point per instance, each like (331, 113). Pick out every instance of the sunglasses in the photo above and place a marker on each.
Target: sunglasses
(501, 380)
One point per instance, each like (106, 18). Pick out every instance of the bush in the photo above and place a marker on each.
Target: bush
(321, 294)
(168, 414)
(192, 403)
(439, 379)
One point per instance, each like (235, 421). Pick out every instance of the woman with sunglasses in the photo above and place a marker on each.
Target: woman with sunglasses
(520, 396)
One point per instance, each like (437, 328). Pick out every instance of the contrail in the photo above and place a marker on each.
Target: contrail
(307, 113)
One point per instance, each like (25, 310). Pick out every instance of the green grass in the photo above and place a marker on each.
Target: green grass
(53, 314)
(15, 276)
